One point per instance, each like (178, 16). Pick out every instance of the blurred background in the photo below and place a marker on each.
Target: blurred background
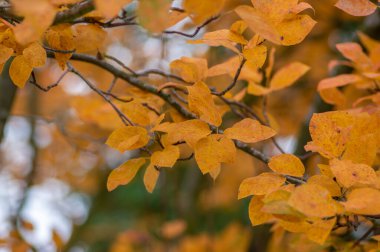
(54, 163)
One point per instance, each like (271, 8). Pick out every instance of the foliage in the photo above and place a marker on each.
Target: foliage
(214, 106)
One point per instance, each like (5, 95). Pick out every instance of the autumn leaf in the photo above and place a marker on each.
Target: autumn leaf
(349, 174)
(150, 177)
(124, 174)
(320, 230)
(249, 131)
(5, 53)
(111, 8)
(35, 55)
(128, 138)
(189, 131)
(327, 182)
(165, 158)
(256, 216)
(357, 7)
(364, 201)
(20, 71)
(287, 164)
(213, 150)
(287, 75)
(190, 69)
(200, 10)
(256, 55)
(260, 185)
(271, 20)
(313, 200)
(202, 103)
(88, 38)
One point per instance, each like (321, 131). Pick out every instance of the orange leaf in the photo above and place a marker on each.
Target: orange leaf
(150, 178)
(201, 10)
(287, 164)
(357, 7)
(167, 157)
(202, 104)
(20, 71)
(287, 75)
(123, 174)
(364, 201)
(260, 185)
(349, 174)
(128, 138)
(110, 8)
(249, 131)
(313, 200)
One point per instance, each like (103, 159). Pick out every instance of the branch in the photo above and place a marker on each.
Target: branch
(192, 35)
(153, 90)
(236, 77)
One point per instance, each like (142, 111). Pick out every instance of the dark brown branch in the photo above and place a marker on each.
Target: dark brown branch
(236, 77)
(154, 90)
(192, 35)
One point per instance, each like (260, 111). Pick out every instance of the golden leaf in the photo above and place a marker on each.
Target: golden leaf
(287, 75)
(349, 174)
(260, 185)
(256, 216)
(313, 201)
(165, 158)
(189, 131)
(5, 53)
(202, 104)
(287, 164)
(150, 178)
(128, 138)
(88, 37)
(201, 10)
(110, 8)
(364, 201)
(213, 150)
(357, 7)
(35, 55)
(326, 182)
(249, 131)
(190, 69)
(124, 174)
(20, 71)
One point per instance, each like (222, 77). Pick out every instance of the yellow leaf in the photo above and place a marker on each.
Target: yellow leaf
(338, 81)
(364, 201)
(35, 55)
(349, 174)
(354, 52)
(61, 37)
(5, 53)
(249, 131)
(38, 16)
(239, 27)
(256, 216)
(128, 138)
(201, 10)
(346, 135)
(202, 104)
(189, 131)
(222, 37)
(213, 150)
(153, 14)
(357, 7)
(190, 69)
(293, 30)
(258, 23)
(110, 8)
(167, 157)
(20, 71)
(320, 229)
(287, 164)
(123, 174)
(136, 112)
(88, 37)
(260, 185)
(256, 89)
(150, 178)
(256, 55)
(313, 201)
(287, 75)
(326, 182)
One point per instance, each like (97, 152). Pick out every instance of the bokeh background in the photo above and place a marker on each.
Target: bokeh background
(54, 163)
